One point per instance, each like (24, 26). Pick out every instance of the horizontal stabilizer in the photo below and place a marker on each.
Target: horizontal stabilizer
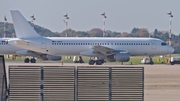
(18, 42)
(22, 28)
(22, 42)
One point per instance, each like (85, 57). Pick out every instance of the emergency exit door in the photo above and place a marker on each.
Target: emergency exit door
(153, 44)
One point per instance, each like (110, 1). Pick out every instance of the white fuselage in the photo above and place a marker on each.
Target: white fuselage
(6, 49)
(76, 45)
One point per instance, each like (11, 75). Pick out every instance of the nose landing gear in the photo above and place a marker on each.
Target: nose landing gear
(151, 62)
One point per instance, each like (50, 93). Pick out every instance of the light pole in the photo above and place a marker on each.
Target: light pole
(66, 22)
(104, 17)
(170, 31)
(5, 20)
(32, 20)
(170, 27)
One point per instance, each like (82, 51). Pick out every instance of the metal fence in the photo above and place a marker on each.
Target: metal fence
(68, 83)
(3, 82)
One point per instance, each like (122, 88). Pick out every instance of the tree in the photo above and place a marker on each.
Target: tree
(134, 30)
(143, 32)
(124, 34)
(95, 32)
(155, 31)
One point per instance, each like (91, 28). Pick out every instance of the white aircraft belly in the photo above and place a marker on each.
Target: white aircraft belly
(68, 50)
(8, 50)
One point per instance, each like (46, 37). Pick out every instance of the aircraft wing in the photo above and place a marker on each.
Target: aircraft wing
(104, 50)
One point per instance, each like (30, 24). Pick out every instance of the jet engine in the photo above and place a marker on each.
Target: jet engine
(119, 56)
(50, 57)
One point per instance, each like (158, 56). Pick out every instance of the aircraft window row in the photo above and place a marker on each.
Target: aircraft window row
(3, 43)
(100, 43)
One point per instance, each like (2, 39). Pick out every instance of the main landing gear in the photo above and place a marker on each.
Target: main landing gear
(96, 61)
(27, 60)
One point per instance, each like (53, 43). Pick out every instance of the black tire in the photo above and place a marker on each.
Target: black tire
(81, 61)
(26, 60)
(172, 63)
(91, 62)
(98, 62)
(151, 62)
(33, 60)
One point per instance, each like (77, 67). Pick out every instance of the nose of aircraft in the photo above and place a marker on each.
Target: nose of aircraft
(171, 49)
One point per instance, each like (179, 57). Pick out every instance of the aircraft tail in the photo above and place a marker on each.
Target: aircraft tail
(22, 27)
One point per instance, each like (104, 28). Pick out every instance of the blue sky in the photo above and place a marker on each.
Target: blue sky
(122, 15)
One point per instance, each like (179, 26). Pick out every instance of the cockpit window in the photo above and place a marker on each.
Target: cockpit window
(163, 44)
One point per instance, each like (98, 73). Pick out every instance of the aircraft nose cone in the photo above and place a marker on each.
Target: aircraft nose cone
(171, 49)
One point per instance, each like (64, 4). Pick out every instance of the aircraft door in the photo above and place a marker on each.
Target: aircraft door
(43, 43)
(153, 44)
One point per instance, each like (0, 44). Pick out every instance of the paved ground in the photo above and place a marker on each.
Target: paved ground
(162, 82)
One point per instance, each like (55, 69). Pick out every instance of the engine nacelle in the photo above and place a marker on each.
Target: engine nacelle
(50, 57)
(119, 56)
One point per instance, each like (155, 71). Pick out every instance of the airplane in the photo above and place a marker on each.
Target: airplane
(103, 48)
(6, 49)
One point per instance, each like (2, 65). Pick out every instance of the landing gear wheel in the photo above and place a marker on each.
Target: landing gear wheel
(91, 62)
(33, 60)
(98, 62)
(81, 61)
(26, 60)
(151, 62)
